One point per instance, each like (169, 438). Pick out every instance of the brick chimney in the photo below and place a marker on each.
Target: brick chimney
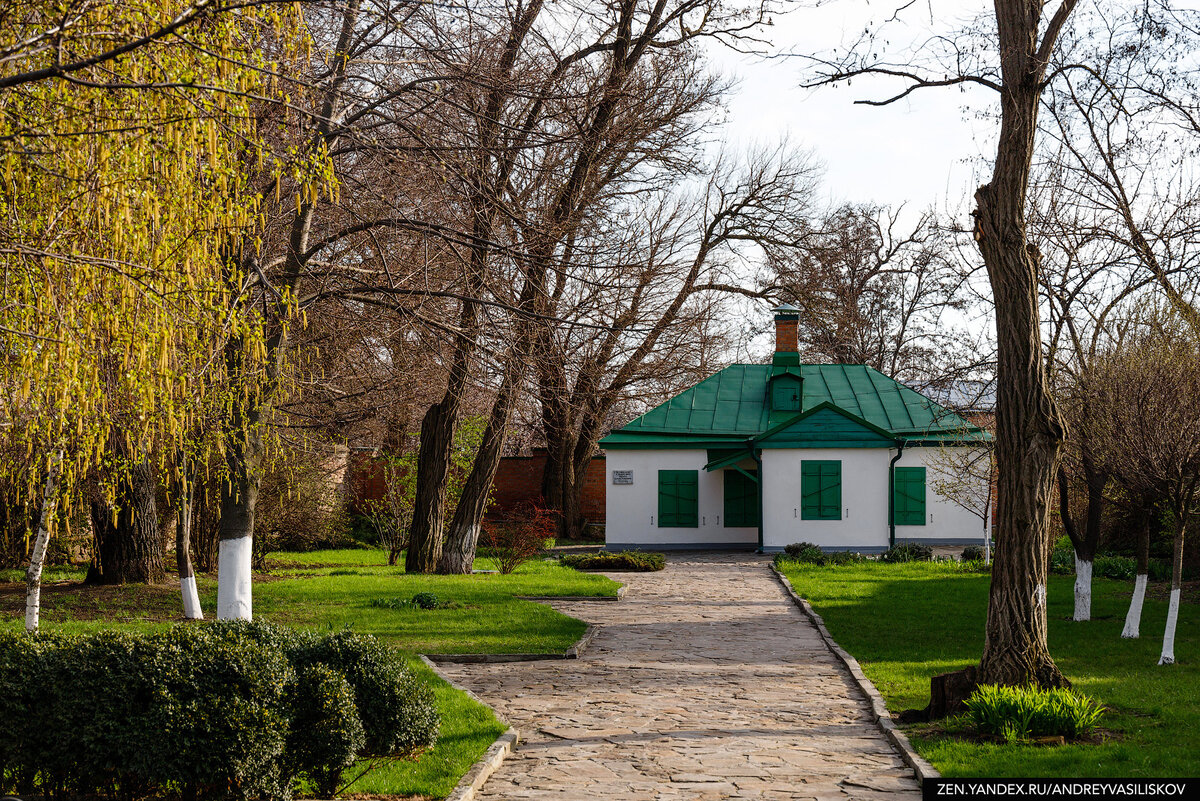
(787, 322)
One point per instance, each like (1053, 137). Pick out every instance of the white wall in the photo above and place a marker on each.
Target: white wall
(631, 510)
(864, 499)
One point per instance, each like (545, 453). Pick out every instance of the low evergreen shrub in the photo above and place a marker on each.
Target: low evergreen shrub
(805, 552)
(1017, 714)
(908, 552)
(635, 561)
(326, 733)
(972, 553)
(221, 710)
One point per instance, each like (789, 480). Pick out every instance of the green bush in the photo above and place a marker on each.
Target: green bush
(805, 552)
(1062, 559)
(397, 711)
(1122, 568)
(972, 553)
(1017, 714)
(326, 733)
(908, 552)
(210, 710)
(637, 561)
(809, 554)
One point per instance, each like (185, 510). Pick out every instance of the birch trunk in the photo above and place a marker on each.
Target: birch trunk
(33, 576)
(183, 552)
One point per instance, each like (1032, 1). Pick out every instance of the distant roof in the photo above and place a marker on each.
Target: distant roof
(733, 405)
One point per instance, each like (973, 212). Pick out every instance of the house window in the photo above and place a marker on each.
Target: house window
(741, 498)
(909, 497)
(820, 490)
(678, 498)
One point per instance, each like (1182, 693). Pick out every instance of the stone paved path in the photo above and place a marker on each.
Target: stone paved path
(704, 682)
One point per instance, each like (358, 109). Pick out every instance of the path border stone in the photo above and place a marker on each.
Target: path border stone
(492, 758)
(573, 652)
(921, 767)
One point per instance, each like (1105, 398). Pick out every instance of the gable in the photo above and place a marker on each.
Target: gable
(825, 427)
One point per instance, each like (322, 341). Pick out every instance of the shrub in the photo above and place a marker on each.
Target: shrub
(517, 535)
(397, 711)
(326, 732)
(1122, 568)
(638, 561)
(972, 553)
(805, 552)
(908, 552)
(215, 710)
(1020, 713)
(426, 600)
(1062, 559)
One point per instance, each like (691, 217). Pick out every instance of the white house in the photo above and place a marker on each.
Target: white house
(763, 455)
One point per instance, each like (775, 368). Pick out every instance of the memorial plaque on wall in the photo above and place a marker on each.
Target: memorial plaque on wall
(622, 476)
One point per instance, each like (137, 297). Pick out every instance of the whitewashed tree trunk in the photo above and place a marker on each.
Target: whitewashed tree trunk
(1133, 619)
(234, 579)
(1083, 589)
(1168, 650)
(183, 552)
(33, 576)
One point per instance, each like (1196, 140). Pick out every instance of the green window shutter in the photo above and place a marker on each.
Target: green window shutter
(741, 499)
(909, 496)
(820, 490)
(678, 498)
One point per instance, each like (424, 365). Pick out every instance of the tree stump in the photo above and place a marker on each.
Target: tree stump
(949, 691)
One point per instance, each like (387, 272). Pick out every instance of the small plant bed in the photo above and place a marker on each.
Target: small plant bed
(808, 554)
(634, 561)
(906, 622)
(421, 600)
(1024, 714)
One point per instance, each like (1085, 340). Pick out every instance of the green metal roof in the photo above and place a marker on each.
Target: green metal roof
(733, 405)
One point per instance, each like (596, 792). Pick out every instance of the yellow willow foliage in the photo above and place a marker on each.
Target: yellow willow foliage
(120, 210)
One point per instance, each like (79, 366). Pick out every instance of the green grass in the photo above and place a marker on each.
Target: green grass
(907, 622)
(330, 590)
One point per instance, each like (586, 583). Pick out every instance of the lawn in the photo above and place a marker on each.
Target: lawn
(907, 622)
(333, 590)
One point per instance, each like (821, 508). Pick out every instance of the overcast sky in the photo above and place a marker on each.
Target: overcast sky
(919, 151)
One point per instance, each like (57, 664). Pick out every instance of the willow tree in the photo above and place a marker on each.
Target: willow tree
(118, 195)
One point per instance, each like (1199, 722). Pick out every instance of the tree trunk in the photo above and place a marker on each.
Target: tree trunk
(462, 538)
(128, 542)
(1133, 618)
(1029, 430)
(1086, 542)
(183, 549)
(37, 560)
(433, 468)
(1168, 649)
(239, 501)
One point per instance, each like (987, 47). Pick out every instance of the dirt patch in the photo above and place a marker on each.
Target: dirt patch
(1189, 591)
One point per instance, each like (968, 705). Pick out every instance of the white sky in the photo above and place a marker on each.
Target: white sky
(920, 151)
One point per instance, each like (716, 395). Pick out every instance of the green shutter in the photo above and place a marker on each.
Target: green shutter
(678, 498)
(741, 499)
(909, 498)
(820, 490)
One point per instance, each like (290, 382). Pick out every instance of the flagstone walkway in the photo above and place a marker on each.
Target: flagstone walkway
(704, 682)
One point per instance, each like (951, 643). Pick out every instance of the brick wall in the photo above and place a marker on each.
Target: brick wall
(518, 479)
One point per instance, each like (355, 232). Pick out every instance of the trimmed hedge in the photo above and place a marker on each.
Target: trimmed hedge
(219, 710)
(637, 561)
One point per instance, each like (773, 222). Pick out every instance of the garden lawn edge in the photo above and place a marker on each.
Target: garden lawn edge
(921, 766)
(571, 653)
(492, 758)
